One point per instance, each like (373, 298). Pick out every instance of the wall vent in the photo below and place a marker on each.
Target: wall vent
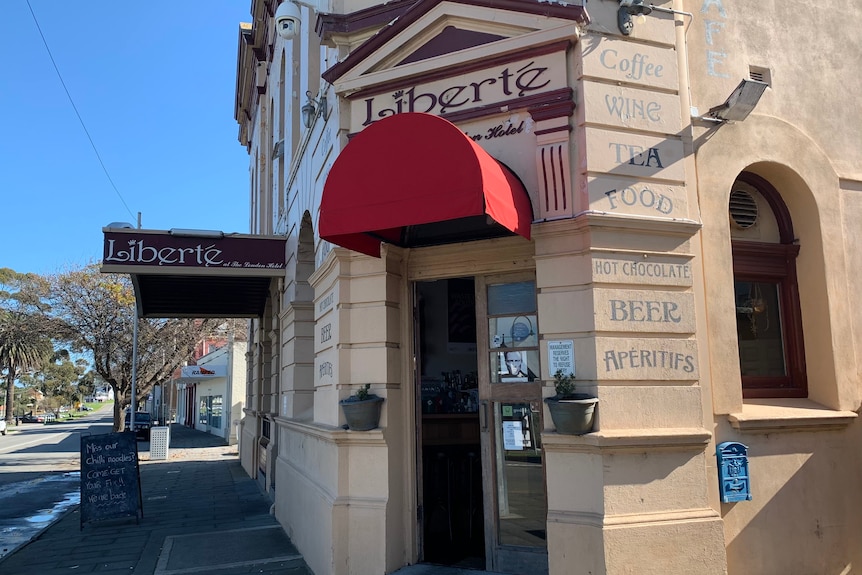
(760, 74)
(743, 209)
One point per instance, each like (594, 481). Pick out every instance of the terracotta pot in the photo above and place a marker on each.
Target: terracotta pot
(362, 415)
(573, 415)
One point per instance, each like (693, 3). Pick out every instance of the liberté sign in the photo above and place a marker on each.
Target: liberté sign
(498, 85)
(137, 251)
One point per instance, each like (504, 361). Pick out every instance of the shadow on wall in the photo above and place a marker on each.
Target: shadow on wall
(804, 516)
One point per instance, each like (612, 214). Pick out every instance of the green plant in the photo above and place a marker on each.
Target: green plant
(564, 384)
(362, 393)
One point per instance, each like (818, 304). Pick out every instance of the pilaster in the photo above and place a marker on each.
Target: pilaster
(617, 280)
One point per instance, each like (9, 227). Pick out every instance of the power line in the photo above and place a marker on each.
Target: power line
(74, 107)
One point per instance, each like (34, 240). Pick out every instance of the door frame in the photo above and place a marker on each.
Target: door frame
(499, 556)
(499, 257)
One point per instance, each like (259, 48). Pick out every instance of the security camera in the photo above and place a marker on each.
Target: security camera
(287, 20)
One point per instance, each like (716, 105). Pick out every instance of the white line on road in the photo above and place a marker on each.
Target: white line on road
(39, 439)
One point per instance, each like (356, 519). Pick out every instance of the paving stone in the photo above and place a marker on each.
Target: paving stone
(200, 490)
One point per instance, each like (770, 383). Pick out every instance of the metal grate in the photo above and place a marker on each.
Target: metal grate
(743, 208)
(160, 437)
(760, 74)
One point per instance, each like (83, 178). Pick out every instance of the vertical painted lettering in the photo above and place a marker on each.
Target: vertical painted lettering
(717, 3)
(714, 58)
(713, 27)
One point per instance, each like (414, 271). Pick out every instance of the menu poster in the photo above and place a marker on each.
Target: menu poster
(110, 477)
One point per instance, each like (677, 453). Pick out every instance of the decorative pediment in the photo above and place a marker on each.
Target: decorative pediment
(437, 34)
(451, 39)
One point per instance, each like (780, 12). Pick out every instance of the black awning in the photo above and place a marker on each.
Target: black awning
(196, 274)
(200, 296)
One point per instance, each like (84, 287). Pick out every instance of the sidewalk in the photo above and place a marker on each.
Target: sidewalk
(201, 514)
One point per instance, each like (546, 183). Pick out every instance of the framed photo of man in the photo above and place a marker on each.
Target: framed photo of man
(513, 365)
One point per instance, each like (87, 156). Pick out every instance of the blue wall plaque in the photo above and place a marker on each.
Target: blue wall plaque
(733, 479)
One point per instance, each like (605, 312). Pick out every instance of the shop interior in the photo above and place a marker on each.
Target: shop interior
(453, 517)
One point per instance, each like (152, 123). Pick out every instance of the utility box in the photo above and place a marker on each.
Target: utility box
(160, 439)
(733, 478)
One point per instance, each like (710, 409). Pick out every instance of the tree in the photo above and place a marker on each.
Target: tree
(87, 384)
(98, 313)
(58, 380)
(24, 345)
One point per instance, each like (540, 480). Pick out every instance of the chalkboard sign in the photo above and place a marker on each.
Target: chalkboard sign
(110, 477)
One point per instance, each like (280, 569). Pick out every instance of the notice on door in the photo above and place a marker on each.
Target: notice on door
(110, 477)
(513, 436)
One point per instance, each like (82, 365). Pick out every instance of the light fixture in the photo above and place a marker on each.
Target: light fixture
(740, 103)
(312, 108)
(629, 8)
(188, 233)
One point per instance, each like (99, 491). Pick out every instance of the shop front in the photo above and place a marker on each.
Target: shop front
(481, 473)
(490, 206)
(477, 194)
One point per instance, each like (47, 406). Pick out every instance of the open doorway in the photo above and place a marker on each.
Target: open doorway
(451, 520)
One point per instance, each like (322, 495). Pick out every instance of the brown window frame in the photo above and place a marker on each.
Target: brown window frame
(775, 263)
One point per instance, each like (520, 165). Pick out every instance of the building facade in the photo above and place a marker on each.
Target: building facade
(663, 200)
(211, 394)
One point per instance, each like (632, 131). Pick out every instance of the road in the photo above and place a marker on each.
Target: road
(40, 474)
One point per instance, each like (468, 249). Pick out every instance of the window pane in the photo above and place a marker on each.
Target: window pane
(513, 331)
(520, 479)
(202, 411)
(758, 329)
(215, 420)
(512, 298)
(514, 366)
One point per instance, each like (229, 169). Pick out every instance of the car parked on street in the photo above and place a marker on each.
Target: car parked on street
(143, 423)
(32, 418)
(2, 427)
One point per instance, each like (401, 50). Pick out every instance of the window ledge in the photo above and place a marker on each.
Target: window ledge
(779, 415)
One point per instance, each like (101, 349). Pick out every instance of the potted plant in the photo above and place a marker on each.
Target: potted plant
(362, 409)
(572, 412)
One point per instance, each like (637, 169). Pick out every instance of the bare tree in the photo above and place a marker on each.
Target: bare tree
(98, 312)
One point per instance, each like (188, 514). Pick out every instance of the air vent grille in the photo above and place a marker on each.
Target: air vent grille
(760, 74)
(743, 209)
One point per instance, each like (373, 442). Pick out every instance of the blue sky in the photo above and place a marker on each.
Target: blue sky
(154, 84)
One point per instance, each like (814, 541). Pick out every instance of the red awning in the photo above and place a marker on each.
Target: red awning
(412, 169)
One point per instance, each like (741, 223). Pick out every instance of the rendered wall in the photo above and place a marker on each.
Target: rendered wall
(803, 463)
(647, 480)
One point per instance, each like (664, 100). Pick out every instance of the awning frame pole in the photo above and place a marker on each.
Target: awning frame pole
(134, 371)
(132, 408)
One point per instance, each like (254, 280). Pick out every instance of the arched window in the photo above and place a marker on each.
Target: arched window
(768, 316)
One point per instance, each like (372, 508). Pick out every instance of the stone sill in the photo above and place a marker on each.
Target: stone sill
(786, 415)
(660, 439)
(330, 434)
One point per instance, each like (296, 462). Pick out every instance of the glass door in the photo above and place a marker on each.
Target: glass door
(510, 394)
